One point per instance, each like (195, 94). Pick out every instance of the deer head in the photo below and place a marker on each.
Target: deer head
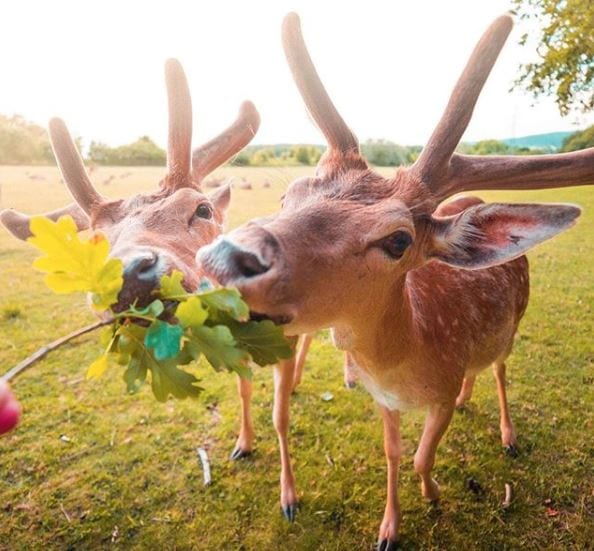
(158, 232)
(347, 236)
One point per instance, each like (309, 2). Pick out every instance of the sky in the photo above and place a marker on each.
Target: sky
(389, 66)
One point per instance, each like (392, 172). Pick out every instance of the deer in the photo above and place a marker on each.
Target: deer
(156, 233)
(422, 293)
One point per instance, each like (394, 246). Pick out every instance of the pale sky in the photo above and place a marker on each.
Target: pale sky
(389, 65)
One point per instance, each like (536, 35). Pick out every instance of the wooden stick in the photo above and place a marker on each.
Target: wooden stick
(44, 350)
(203, 456)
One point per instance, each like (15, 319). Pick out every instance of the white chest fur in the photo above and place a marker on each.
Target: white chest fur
(389, 399)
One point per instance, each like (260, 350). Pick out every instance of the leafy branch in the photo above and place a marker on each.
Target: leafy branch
(210, 322)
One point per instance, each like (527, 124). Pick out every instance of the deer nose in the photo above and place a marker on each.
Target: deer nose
(227, 262)
(142, 267)
(246, 263)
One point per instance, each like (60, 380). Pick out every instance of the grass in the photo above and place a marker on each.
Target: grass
(91, 467)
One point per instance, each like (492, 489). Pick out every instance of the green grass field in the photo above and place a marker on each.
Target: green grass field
(92, 467)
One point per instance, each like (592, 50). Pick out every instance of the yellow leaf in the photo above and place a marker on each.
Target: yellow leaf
(97, 368)
(73, 264)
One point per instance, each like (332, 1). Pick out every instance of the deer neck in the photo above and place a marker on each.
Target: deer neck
(383, 334)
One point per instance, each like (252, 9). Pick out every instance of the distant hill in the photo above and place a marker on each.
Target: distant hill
(552, 140)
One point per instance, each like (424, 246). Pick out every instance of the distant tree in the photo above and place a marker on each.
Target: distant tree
(301, 154)
(142, 152)
(241, 159)
(23, 142)
(386, 153)
(566, 51)
(261, 157)
(579, 140)
(490, 147)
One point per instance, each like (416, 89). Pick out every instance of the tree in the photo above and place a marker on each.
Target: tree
(22, 142)
(566, 51)
(142, 152)
(579, 140)
(386, 153)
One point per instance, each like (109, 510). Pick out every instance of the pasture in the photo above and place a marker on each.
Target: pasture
(92, 467)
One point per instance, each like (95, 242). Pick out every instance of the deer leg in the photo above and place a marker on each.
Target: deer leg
(350, 377)
(300, 361)
(508, 432)
(388, 532)
(245, 440)
(283, 386)
(465, 391)
(437, 421)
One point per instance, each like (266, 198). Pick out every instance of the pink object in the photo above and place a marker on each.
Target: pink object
(10, 409)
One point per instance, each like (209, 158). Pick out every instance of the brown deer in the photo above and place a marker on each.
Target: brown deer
(157, 233)
(422, 296)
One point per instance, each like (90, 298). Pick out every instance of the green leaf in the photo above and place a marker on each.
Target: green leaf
(168, 379)
(155, 309)
(171, 285)
(135, 374)
(264, 341)
(164, 339)
(191, 313)
(225, 300)
(220, 349)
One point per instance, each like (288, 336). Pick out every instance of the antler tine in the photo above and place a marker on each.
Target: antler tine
(433, 162)
(214, 153)
(179, 143)
(473, 172)
(17, 223)
(72, 167)
(316, 99)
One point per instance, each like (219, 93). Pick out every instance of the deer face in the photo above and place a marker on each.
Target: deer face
(345, 238)
(316, 261)
(153, 234)
(156, 234)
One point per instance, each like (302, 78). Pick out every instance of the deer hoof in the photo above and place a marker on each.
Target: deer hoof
(290, 511)
(387, 545)
(239, 453)
(350, 384)
(511, 451)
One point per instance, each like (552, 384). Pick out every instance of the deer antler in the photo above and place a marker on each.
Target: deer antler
(72, 167)
(179, 143)
(214, 153)
(433, 162)
(338, 135)
(446, 172)
(17, 223)
(77, 181)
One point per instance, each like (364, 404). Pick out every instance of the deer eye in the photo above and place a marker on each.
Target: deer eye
(396, 244)
(203, 211)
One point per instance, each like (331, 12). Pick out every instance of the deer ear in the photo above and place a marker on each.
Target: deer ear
(489, 234)
(221, 198)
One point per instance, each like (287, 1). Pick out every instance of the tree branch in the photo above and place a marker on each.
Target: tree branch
(44, 350)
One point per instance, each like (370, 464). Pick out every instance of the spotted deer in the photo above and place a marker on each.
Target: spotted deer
(422, 294)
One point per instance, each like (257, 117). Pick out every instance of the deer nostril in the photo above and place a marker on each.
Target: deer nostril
(142, 266)
(248, 264)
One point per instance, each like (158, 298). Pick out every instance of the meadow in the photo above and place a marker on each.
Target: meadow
(91, 467)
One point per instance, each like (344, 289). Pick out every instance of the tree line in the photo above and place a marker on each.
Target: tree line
(26, 143)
